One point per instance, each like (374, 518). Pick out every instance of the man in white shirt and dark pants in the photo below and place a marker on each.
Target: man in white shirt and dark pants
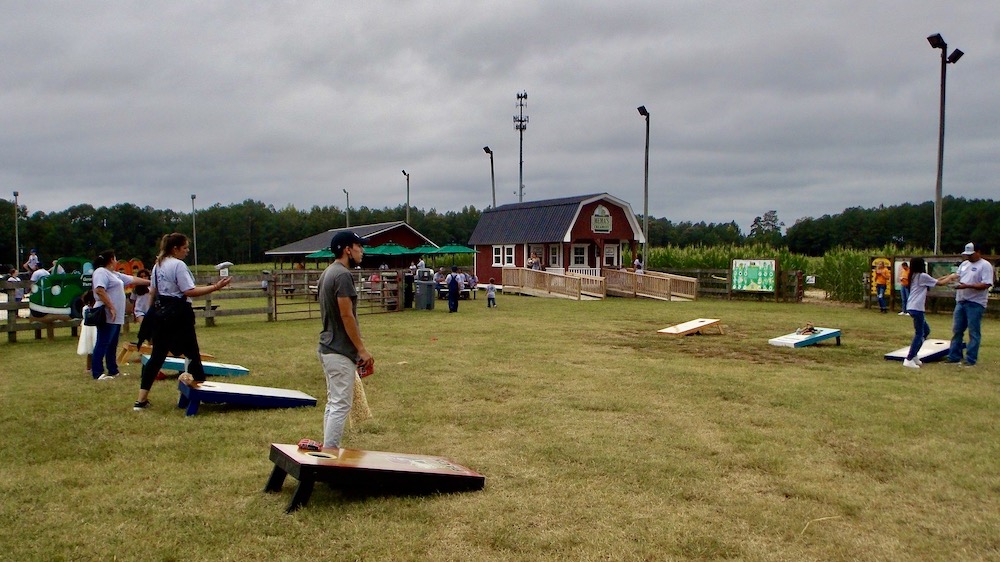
(975, 277)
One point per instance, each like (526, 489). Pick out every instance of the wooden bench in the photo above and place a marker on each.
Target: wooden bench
(463, 294)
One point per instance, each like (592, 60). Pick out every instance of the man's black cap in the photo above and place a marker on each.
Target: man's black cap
(343, 240)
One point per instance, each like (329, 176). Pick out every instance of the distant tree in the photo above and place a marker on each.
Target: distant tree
(766, 229)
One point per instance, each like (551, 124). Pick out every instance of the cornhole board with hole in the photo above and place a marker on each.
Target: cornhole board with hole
(129, 349)
(211, 368)
(803, 340)
(354, 469)
(931, 350)
(691, 327)
(212, 392)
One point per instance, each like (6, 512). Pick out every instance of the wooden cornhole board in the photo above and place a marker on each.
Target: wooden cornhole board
(691, 327)
(129, 350)
(803, 340)
(239, 394)
(354, 468)
(211, 368)
(931, 350)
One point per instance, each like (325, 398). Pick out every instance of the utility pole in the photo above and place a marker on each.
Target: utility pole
(520, 124)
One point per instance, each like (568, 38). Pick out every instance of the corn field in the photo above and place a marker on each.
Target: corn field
(840, 272)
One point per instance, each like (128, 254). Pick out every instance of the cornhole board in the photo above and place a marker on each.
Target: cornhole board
(931, 350)
(212, 392)
(129, 349)
(211, 368)
(691, 327)
(803, 340)
(354, 468)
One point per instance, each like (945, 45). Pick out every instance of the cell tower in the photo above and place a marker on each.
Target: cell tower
(520, 124)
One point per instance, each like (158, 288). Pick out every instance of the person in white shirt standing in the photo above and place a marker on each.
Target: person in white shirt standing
(975, 277)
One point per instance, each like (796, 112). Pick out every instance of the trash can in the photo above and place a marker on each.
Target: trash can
(408, 290)
(425, 295)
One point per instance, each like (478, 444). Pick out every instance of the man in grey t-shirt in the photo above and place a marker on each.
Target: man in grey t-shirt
(341, 349)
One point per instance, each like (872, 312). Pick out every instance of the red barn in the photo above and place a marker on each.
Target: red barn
(584, 233)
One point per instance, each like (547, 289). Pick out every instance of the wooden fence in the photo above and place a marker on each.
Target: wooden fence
(715, 283)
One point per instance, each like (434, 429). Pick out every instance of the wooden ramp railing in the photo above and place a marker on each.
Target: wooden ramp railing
(652, 284)
(541, 283)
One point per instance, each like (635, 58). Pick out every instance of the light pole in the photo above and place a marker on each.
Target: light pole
(17, 234)
(645, 194)
(347, 212)
(937, 42)
(194, 232)
(407, 196)
(493, 176)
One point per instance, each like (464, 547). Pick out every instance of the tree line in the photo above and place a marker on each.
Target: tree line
(242, 232)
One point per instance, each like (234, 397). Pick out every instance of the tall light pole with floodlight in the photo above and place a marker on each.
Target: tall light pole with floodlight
(493, 176)
(194, 232)
(347, 212)
(645, 194)
(17, 234)
(938, 42)
(407, 196)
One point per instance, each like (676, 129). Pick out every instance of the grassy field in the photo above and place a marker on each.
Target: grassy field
(600, 440)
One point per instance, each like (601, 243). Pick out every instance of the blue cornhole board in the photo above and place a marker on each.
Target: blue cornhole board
(211, 368)
(212, 392)
(931, 350)
(802, 340)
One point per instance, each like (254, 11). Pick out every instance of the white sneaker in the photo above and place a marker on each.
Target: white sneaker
(105, 377)
(903, 313)
(918, 362)
(911, 364)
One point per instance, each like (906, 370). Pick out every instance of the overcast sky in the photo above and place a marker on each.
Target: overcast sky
(806, 108)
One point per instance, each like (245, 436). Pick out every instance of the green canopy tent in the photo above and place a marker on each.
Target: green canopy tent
(388, 249)
(424, 250)
(455, 249)
(324, 253)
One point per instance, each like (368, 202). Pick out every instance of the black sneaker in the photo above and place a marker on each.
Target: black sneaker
(140, 406)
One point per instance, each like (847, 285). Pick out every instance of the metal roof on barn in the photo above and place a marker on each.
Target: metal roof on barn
(322, 240)
(547, 221)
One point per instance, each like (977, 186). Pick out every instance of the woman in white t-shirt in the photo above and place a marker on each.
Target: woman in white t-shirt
(920, 283)
(172, 317)
(109, 294)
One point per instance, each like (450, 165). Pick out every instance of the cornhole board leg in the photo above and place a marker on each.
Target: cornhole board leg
(692, 326)
(803, 340)
(240, 394)
(352, 467)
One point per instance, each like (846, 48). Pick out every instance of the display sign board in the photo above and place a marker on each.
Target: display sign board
(600, 221)
(755, 276)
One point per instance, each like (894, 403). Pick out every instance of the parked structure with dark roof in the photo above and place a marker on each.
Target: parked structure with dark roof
(381, 233)
(584, 232)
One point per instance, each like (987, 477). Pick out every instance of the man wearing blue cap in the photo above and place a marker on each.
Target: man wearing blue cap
(975, 277)
(341, 349)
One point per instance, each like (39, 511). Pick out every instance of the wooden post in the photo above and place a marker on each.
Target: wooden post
(209, 315)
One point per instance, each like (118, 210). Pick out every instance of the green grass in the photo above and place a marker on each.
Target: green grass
(600, 440)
